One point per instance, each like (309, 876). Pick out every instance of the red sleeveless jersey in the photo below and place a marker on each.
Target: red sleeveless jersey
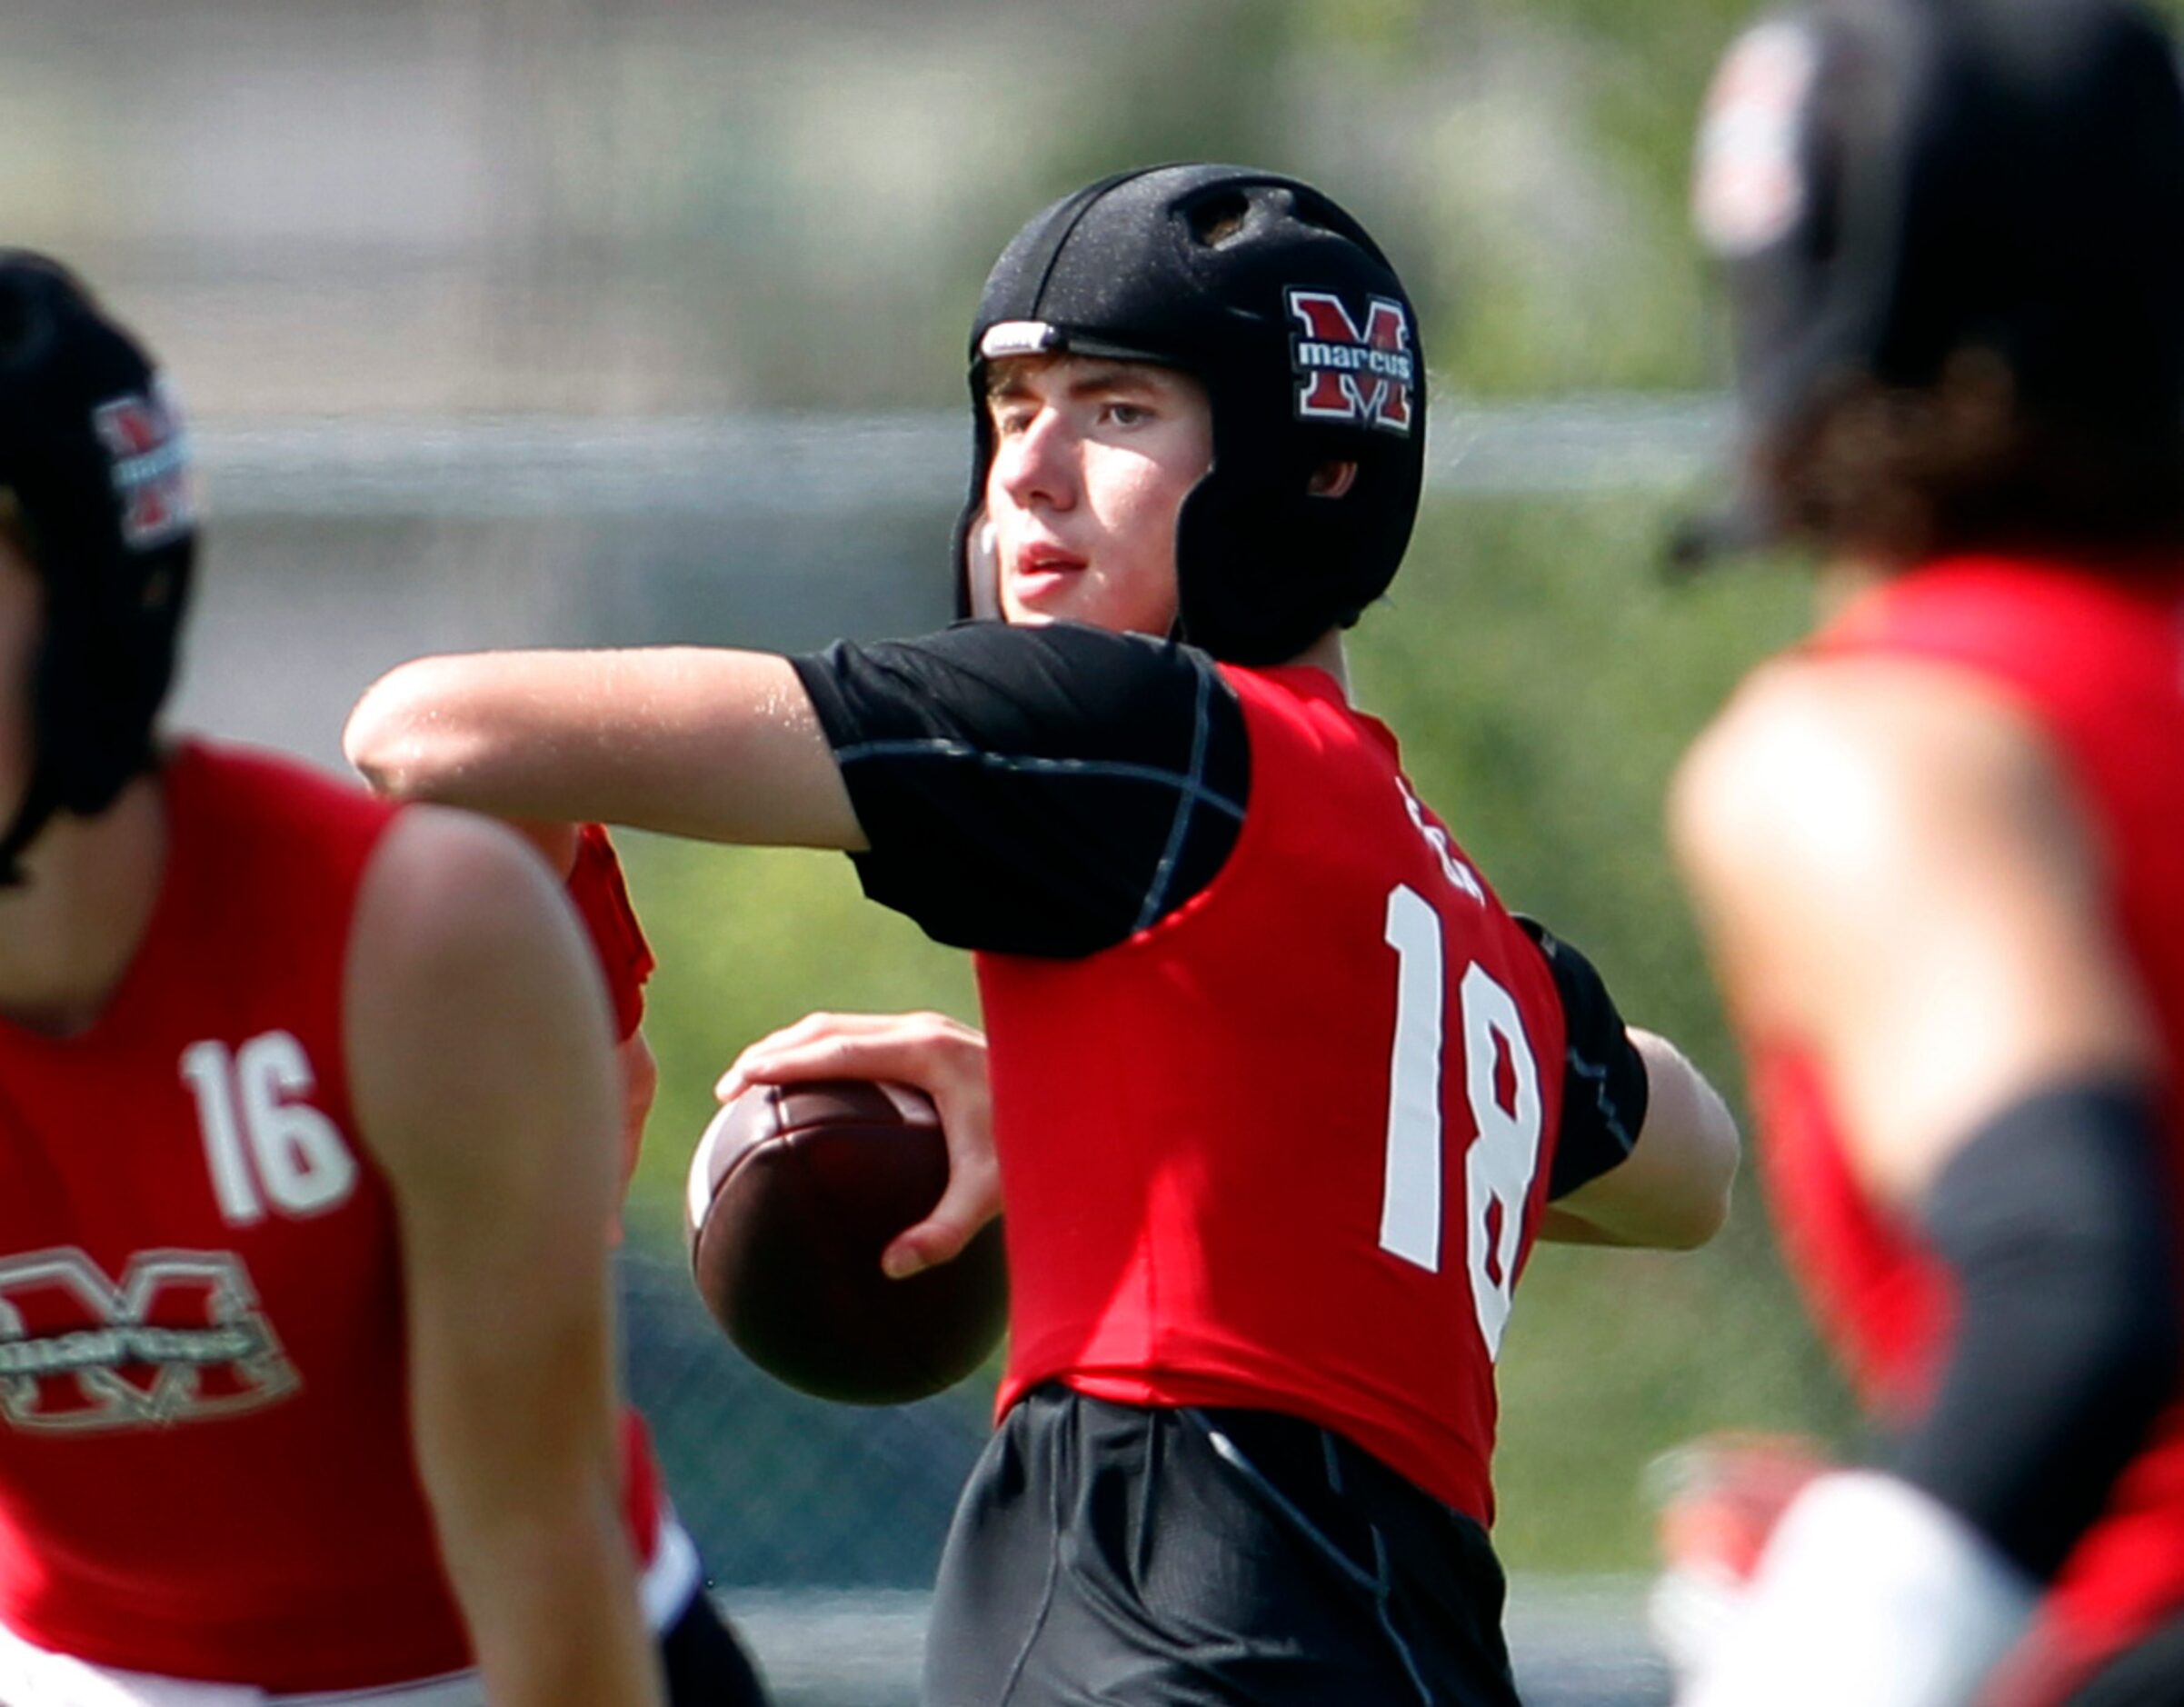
(2097, 663)
(204, 1455)
(1287, 1148)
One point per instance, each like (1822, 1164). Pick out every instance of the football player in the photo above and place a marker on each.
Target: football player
(1940, 846)
(1282, 1093)
(307, 1120)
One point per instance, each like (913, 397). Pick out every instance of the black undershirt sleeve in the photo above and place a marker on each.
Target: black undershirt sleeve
(1034, 791)
(1604, 1087)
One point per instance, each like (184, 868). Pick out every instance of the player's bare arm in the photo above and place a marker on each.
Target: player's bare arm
(559, 840)
(717, 744)
(1672, 1190)
(483, 1082)
(639, 1075)
(941, 1057)
(1889, 870)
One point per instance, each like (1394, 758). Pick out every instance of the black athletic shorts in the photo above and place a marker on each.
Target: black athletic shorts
(704, 1663)
(1140, 1557)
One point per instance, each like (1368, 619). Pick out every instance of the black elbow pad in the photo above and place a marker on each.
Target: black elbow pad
(1604, 1085)
(2054, 1220)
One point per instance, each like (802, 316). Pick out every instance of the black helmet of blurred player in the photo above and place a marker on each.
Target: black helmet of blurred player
(1279, 303)
(94, 477)
(1964, 221)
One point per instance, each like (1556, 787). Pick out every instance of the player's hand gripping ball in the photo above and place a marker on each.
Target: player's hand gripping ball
(795, 1191)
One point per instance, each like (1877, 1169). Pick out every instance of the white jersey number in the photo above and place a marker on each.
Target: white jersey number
(1499, 1163)
(260, 1146)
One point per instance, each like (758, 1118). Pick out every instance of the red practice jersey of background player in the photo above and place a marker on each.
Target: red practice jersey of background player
(1287, 1147)
(205, 1468)
(2097, 663)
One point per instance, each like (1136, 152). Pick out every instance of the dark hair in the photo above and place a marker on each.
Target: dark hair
(1901, 475)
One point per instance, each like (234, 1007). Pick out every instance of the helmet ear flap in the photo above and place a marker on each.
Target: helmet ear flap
(93, 450)
(971, 548)
(1219, 533)
(1231, 531)
(982, 569)
(104, 670)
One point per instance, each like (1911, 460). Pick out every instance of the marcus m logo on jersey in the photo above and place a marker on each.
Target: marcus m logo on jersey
(178, 1338)
(1363, 376)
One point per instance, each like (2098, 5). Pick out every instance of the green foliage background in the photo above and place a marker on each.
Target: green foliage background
(1543, 678)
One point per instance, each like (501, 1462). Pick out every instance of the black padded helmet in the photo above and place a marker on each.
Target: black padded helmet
(1890, 182)
(93, 456)
(1278, 303)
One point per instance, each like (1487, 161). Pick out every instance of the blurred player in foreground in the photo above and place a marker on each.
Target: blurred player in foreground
(306, 1120)
(1280, 1093)
(1940, 847)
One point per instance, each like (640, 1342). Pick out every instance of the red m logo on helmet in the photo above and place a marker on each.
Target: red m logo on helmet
(1363, 376)
(142, 437)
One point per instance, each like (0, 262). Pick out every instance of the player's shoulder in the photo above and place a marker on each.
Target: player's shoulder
(468, 994)
(444, 885)
(453, 902)
(1822, 771)
(1054, 688)
(462, 941)
(1084, 658)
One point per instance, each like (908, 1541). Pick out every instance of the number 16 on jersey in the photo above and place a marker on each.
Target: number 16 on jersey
(1503, 1153)
(263, 1142)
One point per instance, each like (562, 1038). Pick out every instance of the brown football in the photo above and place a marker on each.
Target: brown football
(795, 1191)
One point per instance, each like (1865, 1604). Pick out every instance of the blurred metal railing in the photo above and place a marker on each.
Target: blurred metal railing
(507, 466)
